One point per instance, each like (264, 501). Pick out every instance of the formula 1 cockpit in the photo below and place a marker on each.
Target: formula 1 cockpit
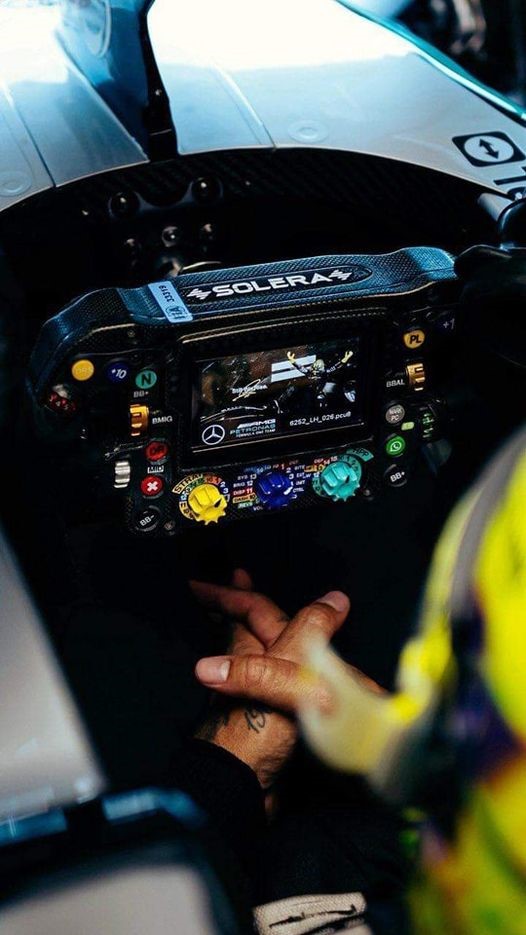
(262, 272)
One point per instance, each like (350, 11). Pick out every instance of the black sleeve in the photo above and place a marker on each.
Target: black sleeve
(226, 789)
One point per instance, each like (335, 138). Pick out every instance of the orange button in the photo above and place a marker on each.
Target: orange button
(82, 370)
(416, 376)
(139, 419)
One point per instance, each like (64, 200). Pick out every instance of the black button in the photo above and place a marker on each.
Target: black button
(147, 520)
(394, 414)
(396, 476)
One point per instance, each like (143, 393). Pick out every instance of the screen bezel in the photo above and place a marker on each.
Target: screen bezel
(216, 344)
(284, 428)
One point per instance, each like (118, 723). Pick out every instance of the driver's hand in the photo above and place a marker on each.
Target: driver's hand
(264, 667)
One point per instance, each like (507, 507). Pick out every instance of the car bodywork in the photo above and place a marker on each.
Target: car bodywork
(317, 75)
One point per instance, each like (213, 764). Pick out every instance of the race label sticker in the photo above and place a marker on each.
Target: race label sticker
(170, 302)
(305, 279)
(485, 149)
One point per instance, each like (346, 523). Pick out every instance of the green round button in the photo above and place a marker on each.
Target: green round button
(395, 446)
(146, 379)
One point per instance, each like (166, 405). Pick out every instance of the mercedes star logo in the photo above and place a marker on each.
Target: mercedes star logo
(213, 434)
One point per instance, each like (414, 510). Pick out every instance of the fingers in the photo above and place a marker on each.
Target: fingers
(279, 683)
(324, 617)
(261, 615)
(242, 580)
(242, 640)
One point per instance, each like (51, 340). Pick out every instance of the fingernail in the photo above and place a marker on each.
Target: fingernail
(336, 599)
(213, 670)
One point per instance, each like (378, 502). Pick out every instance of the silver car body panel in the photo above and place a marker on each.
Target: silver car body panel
(46, 760)
(313, 73)
(258, 75)
(253, 75)
(22, 171)
(54, 127)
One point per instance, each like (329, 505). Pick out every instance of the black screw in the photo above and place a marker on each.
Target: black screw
(123, 204)
(208, 233)
(171, 235)
(206, 190)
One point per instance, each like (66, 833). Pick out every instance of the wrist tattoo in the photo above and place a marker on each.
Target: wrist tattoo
(218, 717)
(256, 717)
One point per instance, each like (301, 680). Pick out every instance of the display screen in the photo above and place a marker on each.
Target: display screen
(278, 393)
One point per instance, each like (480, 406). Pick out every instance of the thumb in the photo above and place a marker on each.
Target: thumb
(242, 580)
(278, 683)
(320, 619)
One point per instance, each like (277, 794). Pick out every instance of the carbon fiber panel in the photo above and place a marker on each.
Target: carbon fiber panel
(402, 192)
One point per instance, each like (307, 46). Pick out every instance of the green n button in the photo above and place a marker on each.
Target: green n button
(146, 379)
(395, 446)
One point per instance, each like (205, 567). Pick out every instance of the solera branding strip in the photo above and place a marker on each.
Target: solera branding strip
(308, 279)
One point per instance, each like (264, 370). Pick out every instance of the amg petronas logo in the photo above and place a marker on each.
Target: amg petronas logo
(307, 279)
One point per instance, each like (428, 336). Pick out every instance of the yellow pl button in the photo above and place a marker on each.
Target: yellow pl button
(82, 370)
(414, 338)
(207, 503)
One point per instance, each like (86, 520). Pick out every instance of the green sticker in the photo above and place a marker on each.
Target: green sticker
(146, 379)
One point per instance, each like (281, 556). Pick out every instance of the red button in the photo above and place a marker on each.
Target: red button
(60, 401)
(152, 486)
(157, 451)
